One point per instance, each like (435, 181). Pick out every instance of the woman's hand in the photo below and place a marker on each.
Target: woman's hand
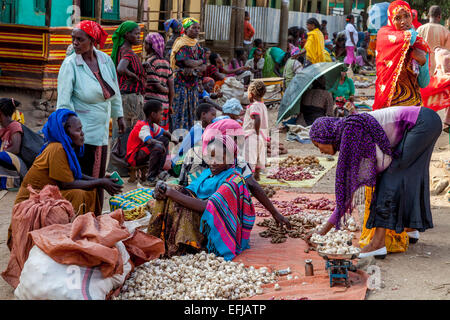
(121, 124)
(282, 220)
(160, 191)
(111, 186)
(419, 55)
(323, 231)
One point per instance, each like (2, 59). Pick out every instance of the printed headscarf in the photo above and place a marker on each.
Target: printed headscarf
(95, 31)
(54, 132)
(222, 128)
(189, 22)
(118, 37)
(355, 137)
(157, 42)
(175, 24)
(391, 49)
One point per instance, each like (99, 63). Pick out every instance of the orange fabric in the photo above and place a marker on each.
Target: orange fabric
(51, 167)
(41, 210)
(249, 31)
(395, 242)
(292, 254)
(89, 241)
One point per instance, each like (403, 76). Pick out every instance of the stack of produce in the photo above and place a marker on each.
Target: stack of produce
(195, 277)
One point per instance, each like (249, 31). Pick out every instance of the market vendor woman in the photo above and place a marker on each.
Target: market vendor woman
(194, 218)
(389, 149)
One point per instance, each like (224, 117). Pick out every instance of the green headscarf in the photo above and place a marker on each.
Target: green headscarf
(118, 38)
(189, 22)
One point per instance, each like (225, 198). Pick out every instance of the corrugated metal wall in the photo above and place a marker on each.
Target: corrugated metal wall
(264, 20)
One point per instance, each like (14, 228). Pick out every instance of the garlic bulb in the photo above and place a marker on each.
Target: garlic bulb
(194, 277)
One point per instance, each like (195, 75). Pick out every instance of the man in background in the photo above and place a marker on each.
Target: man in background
(435, 34)
(249, 32)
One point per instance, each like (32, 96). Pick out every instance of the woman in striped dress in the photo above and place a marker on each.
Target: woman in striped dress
(159, 76)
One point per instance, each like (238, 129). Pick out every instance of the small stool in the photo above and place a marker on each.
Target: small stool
(138, 172)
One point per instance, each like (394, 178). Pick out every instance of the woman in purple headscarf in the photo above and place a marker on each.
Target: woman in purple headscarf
(389, 149)
(159, 76)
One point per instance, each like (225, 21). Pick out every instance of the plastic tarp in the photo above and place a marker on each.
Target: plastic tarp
(291, 254)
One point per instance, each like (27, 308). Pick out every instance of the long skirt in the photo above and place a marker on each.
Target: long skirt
(184, 104)
(93, 164)
(402, 192)
(177, 226)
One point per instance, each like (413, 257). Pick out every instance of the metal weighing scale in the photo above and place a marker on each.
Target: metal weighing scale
(338, 266)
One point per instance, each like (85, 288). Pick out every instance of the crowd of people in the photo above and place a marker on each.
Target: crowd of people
(220, 158)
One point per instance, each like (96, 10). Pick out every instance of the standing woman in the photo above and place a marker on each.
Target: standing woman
(88, 85)
(401, 62)
(388, 149)
(315, 43)
(159, 76)
(177, 31)
(130, 71)
(188, 62)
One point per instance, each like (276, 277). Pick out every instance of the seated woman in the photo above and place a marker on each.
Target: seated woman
(194, 218)
(238, 62)
(293, 66)
(12, 168)
(344, 87)
(58, 164)
(195, 165)
(388, 149)
(316, 102)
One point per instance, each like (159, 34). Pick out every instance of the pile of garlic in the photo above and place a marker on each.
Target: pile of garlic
(194, 277)
(351, 224)
(335, 242)
(314, 218)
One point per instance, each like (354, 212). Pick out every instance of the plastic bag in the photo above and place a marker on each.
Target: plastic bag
(395, 242)
(31, 145)
(44, 279)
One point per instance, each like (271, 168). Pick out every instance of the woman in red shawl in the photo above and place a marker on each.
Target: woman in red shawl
(402, 60)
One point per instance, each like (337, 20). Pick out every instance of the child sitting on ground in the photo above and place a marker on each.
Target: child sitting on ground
(148, 145)
(233, 109)
(256, 127)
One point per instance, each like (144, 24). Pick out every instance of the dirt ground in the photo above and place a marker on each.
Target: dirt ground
(420, 273)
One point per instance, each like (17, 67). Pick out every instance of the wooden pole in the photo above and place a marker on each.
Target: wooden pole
(284, 23)
(233, 19)
(140, 11)
(98, 11)
(48, 12)
(239, 29)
